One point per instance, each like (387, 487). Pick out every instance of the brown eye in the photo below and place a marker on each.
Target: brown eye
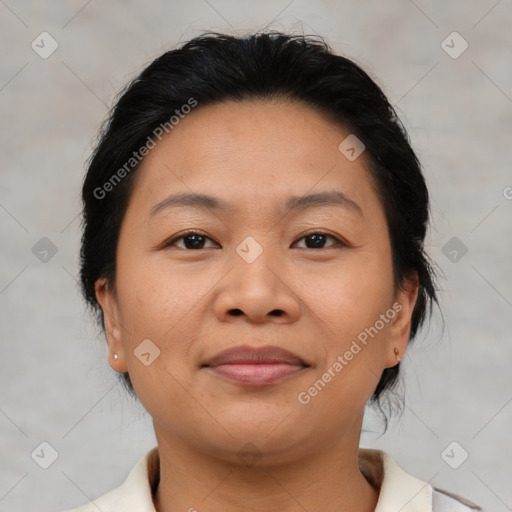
(318, 240)
(192, 240)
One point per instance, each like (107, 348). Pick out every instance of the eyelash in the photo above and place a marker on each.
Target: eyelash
(192, 232)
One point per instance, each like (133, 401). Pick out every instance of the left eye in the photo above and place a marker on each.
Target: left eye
(195, 241)
(317, 240)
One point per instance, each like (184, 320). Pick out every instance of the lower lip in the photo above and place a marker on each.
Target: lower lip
(256, 374)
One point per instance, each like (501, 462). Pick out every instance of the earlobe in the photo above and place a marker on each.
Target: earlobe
(113, 331)
(401, 326)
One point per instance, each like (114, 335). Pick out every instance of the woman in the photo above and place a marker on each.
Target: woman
(254, 220)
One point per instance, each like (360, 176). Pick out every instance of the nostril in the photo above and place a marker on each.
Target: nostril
(238, 312)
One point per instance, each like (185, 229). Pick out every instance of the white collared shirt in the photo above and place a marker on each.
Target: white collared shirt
(399, 491)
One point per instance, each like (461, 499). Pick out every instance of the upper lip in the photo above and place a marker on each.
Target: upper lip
(255, 355)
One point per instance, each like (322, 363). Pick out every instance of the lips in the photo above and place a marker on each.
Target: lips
(260, 355)
(256, 366)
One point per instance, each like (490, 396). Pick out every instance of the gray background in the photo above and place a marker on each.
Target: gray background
(56, 385)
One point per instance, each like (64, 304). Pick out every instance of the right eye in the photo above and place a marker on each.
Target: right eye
(192, 240)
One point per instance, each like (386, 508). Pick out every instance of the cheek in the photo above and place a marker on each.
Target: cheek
(153, 297)
(352, 294)
(348, 305)
(158, 305)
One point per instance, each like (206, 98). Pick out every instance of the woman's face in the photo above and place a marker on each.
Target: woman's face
(255, 277)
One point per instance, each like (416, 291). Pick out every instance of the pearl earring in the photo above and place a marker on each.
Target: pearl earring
(397, 356)
(116, 357)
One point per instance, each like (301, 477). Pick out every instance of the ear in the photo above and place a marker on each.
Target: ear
(105, 294)
(405, 300)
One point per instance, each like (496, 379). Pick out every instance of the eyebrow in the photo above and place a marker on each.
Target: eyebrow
(294, 203)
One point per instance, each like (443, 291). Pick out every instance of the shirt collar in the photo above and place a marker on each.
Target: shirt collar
(399, 491)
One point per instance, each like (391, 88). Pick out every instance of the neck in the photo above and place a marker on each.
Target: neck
(328, 479)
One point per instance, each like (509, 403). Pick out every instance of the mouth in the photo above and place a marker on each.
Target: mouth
(256, 366)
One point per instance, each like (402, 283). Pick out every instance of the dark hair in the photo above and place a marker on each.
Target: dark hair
(216, 67)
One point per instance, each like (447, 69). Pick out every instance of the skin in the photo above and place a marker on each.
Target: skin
(312, 300)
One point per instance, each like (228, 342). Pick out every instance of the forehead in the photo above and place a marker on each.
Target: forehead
(252, 152)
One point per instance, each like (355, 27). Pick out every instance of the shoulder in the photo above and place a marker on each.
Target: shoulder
(134, 494)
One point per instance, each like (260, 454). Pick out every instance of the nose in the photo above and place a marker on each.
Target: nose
(257, 292)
